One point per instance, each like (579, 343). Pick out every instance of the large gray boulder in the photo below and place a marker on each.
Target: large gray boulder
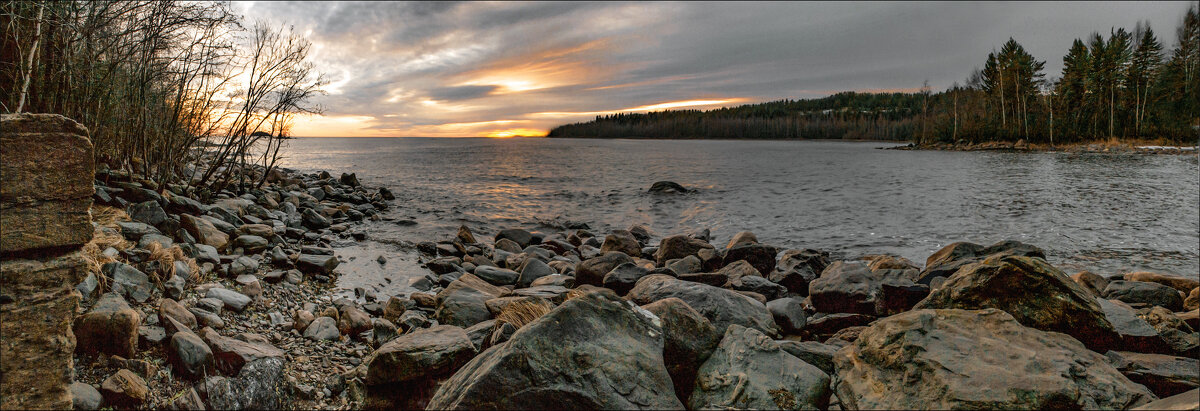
(688, 340)
(980, 359)
(1147, 293)
(425, 354)
(748, 370)
(1165, 375)
(595, 351)
(260, 385)
(1135, 333)
(679, 246)
(844, 287)
(463, 303)
(949, 259)
(720, 306)
(592, 270)
(1032, 291)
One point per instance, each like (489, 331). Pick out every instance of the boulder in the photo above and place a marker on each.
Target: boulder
(352, 321)
(789, 314)
(812, 352)
(497, 275)
(720, 306)
(594, 351)
(1150, 294)
(125, 389)
(322, 328)
(748, 370)
(533, 270)
(1187, 401)
(260, 385)
(593, 270)
(394, 308)
(844, 287)
(622, 277)
(897, 296)
(243, 265)
(463, 302)
(760, 286)
(316, 263)
(204, 231)
(313, 220)
(760, 256)
(1093, 283)
(984, 359)
(232, 299)
(170, 308)
(109, 327)
(85, 397)
(149, 212)
(301, 319)
(190, 356)
(667, 187)
(128, 281)
(1165, 375)
(823, 326)
(686, 265)
(1182, 284)
(679, 246)
(232, 354)
(521, 237)
(47, 168)
(742, 237)
(251, 244)
(949, 259)
(688, 340)
(1032, 291)
(427, 354)
(1135, 333)
(1182, 339)
(623, 241)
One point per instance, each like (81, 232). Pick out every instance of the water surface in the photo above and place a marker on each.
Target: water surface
(1109, 213)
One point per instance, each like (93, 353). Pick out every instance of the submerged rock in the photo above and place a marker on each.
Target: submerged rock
(942, 356)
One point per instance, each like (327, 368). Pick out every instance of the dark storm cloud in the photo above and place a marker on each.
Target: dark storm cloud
(448, 68)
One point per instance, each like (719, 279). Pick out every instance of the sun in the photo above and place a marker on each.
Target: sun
(516, 132)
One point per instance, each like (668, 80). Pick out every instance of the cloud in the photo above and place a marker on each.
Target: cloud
(479, 68)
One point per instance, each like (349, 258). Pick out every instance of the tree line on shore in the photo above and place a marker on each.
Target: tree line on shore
(157, 83)
(1125, 85)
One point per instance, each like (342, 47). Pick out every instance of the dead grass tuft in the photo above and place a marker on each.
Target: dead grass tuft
(93, 252)
(166, 258)
(519, 313)
(575, 292)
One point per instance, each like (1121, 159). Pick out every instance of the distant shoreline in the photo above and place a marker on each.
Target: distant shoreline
(1130, 147)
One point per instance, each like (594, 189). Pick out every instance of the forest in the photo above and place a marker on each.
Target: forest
(1125, 85)
(159, 82)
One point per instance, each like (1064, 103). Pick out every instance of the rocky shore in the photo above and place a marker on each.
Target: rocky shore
(229, 305)
(1022, 145)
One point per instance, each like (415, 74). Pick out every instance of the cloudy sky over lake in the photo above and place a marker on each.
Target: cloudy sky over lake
(497, 69)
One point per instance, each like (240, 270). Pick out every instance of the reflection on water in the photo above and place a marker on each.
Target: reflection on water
(1106, 213)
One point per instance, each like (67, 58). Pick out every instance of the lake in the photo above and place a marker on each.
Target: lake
(1108, 213)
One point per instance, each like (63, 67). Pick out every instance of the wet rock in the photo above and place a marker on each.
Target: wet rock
(1150, 294)
(667, 187)
(688, 340)
(204, 231)
(679, 246)
(748, 370)
(521, 237)
(623, 241)
(109, 327)
(812, 352)
(349, 179)
(190, 356)
(1093, 283)
(844, 287)
(532, 271)
(593, 270)
(720, 306)
(497, 275)
(949, 259)
(598, 338)
(317, 264)
(231, 299)
(128, 281)
(809, 260)
(383, 331)
(789, 314)
(124, 388)
(760, 256)
(508, 245)
(1164, 375)
(686, 265)
(622, 277)
(1032, 291)
(943, 354)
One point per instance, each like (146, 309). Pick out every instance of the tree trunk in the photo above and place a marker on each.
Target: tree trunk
(37, 37)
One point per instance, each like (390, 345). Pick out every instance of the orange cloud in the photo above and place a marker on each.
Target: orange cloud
(539, 70)
(516, 132)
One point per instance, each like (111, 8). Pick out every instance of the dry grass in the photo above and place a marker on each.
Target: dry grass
(575, 292)
(166, 258)
(93, 251)
(519, 313)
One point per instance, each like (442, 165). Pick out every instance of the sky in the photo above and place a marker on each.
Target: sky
(449, 69)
